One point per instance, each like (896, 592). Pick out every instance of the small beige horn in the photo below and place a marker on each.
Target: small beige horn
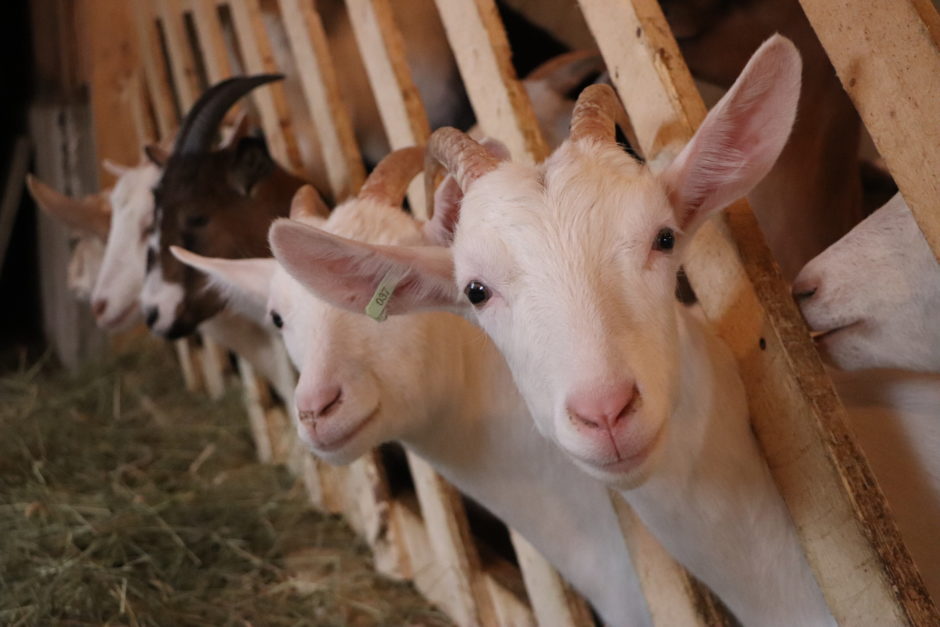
(307, 203)
(460, 155)
(389, 181)
(91, 214)
(596, 114)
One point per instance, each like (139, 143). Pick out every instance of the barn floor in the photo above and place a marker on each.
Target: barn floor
(125, 500)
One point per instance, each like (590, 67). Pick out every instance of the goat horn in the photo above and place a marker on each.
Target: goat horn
(389, 181)
(596, 114)
(90, 214)
(464, 158)
(204, 119)
(307, 203)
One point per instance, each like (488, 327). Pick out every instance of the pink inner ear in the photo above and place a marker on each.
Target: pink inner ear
(442, 225)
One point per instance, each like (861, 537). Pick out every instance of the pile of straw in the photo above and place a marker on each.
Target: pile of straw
(125, 500)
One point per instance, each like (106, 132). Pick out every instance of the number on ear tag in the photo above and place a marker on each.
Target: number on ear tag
(377, 309)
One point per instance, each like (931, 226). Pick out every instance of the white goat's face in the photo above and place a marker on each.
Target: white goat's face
(874, 295)
(361, 382)
(579, 296)
(115, 298)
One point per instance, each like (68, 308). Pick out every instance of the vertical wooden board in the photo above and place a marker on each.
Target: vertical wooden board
(663, 580)
(192, 374)
(510, 610)
(111, 45)
(158, 82)
(383, 53)
(211, 40)
(850, 540)
(554, 603)
(500, 101)
(254, 404)
(270, 99)
(449, 533)
(320, 83)
(888, 59)
(185, 76)
(211, 357)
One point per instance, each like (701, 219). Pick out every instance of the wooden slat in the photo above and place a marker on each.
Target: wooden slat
(192, 375)
(468, 600)
(850, 540)
(161, 96)
(553, 601)
(318, 78)
(185, 76)
(888, 59)
(383, 53)
(271, 101)
(500, 101)
(663, 580)
(211, 40)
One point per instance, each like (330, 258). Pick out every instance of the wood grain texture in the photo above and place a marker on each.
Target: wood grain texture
(888, 59)
(850, 540)
(399, 103)
(211, 40)
(318, 77)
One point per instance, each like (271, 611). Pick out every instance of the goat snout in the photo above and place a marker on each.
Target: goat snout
(320, 403)
(98, 307)
(602, 408)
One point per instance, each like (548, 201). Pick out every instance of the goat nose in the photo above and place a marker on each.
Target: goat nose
(98, 307)
(803, 292)
(602, 407)
(320, 402)
(152, 315)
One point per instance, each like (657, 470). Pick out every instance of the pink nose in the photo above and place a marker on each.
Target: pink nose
(319, 402)
(98, 307)
(602, 407)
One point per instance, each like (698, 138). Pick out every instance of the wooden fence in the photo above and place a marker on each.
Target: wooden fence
(424, 535)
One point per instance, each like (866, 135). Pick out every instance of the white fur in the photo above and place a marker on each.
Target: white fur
(877, 295)
(433, 382)
(121, 277)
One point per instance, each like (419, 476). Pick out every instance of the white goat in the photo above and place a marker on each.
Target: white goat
(434, 383)
(570, 267)
(874, 295)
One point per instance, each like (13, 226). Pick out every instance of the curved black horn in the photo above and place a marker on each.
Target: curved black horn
(201, 124)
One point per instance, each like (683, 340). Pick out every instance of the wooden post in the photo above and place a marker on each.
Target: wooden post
(847, 532)
(895, 85)
(383, 53)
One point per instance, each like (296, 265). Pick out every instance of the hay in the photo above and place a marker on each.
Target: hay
(125, 500)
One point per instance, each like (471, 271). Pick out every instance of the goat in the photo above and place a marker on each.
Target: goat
(570, 268)
(216, 202)
(433, 383)
(872, 297)
(813, 194)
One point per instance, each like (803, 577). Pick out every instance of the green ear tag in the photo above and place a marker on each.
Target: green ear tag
(376, 309)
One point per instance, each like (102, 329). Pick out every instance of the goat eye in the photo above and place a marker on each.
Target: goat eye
(665, 239)
(277, 320)
(477, 293)
(197, 221)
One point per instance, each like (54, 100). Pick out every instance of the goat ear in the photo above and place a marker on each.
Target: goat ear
(114, 168)
(346, 273)
(251, 163)
(441, 227)
(741, 137)
(90, 214)
(157, 154)
(244, 282)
